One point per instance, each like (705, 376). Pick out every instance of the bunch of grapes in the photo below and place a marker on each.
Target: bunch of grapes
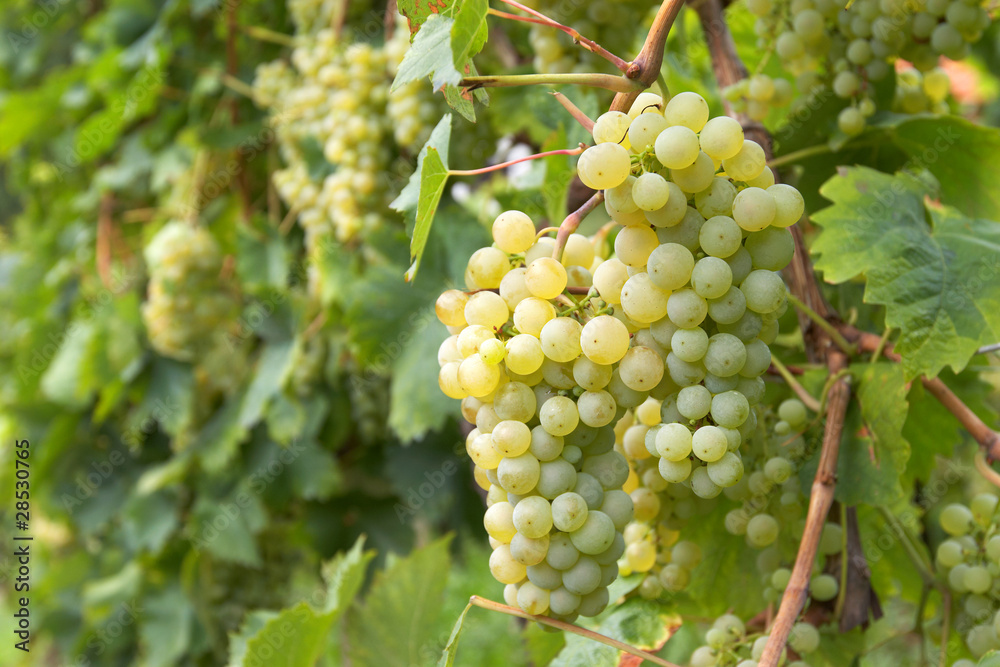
(335, 97)
(187, 308)
(683, 314)
(970, 561)
(611, 24)
(695, 274)
(828, 46)
(728, 643)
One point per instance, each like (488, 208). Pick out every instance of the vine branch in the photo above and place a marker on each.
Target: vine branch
(569, 627)
(646, 66)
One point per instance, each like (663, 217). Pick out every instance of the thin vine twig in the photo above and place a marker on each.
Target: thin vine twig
(808, 399)
(575, 112)
(619, 84)
(572, 221)
(511, 163)
(542, 19)
(569, 627)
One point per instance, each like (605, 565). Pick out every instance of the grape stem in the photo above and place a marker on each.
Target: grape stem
(572, 221)
(619, 84)
(646, 66)
(504, 165)
(987, 349)
(795, 156)
(920, 563)
(823, 324)
(988, 439)
(575, 112)
(569, 627)
(800, 391)
(266, 35)
(542, 19)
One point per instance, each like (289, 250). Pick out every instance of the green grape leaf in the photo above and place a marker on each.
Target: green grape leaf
(413, 409)
(262, 259)
(272, 368)
(463, 100)
(69, 378)
(934, 270)
(874, 451)
(223, 527)
(430, 55)
(420, 198)
(165, 627)
(254, 622)
(583, 652)
(963, 156)
(395, 626)
(295, 637)
(344, 575)
(451, 648)
(148, 520)
(644, 624)
(468, 35)
(298, 636)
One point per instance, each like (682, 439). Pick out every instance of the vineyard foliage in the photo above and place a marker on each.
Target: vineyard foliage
(304, 363)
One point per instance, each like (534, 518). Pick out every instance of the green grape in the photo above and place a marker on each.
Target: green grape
(671, 213)
(687, 109)
(670, 266)
(764, 291)
(709, 443)
(754, 209)
(824, 587)
(555, 477)
(716, 199)
(685, 233)
(694, 402)
(677, 147)
(644, 130)
(596, 408)
(747, 164)
(686, 308)
(619, 507)
(583, 576)
(956, 519)
(689, 344)
(727, 471)
(730, 409)
(720, 236)
(722, 138)
(729, 308)
(611, 126)
(804, 638)
(562, 554)
(762, 530)
(725, 356)
(604, 166)
(770, 248)
(650, 192)
(518, 474)
(851, 121)
(674, 471)
(983, 506)
(697, 176)
(711, 277)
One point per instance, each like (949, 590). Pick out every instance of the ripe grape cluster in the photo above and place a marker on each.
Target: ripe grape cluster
(334, 99)
(728, 642)
(829, 47)
(675, 328)
(186, 306)
(970, 561)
